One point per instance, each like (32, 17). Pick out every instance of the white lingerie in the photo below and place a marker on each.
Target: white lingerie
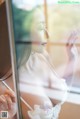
(48, 113)
(38, 70)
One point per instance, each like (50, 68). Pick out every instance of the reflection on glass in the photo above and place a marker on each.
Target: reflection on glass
(7, 96)
(40, 85)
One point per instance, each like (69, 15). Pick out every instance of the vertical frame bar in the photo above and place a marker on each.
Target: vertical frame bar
(13, 56)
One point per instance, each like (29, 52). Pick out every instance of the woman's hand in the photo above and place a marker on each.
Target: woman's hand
(72, 56)
(71, 48)
(8, 103)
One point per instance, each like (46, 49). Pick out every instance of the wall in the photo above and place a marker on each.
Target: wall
(70, 111)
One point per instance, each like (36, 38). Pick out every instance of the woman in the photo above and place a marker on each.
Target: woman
(37, 70)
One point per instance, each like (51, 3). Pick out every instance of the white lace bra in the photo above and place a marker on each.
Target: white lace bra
(48, 113)
(33, 72)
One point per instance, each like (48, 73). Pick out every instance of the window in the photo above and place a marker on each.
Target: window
(60, 22)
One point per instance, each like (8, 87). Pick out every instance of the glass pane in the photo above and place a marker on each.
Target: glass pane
(8, 104)
(45, 61)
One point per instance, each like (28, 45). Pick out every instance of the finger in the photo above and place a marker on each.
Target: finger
(3, 101)
(69, 38)
(72, 41)
(0, 106)
(9, 101)
(72, 36)
(11, 94)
